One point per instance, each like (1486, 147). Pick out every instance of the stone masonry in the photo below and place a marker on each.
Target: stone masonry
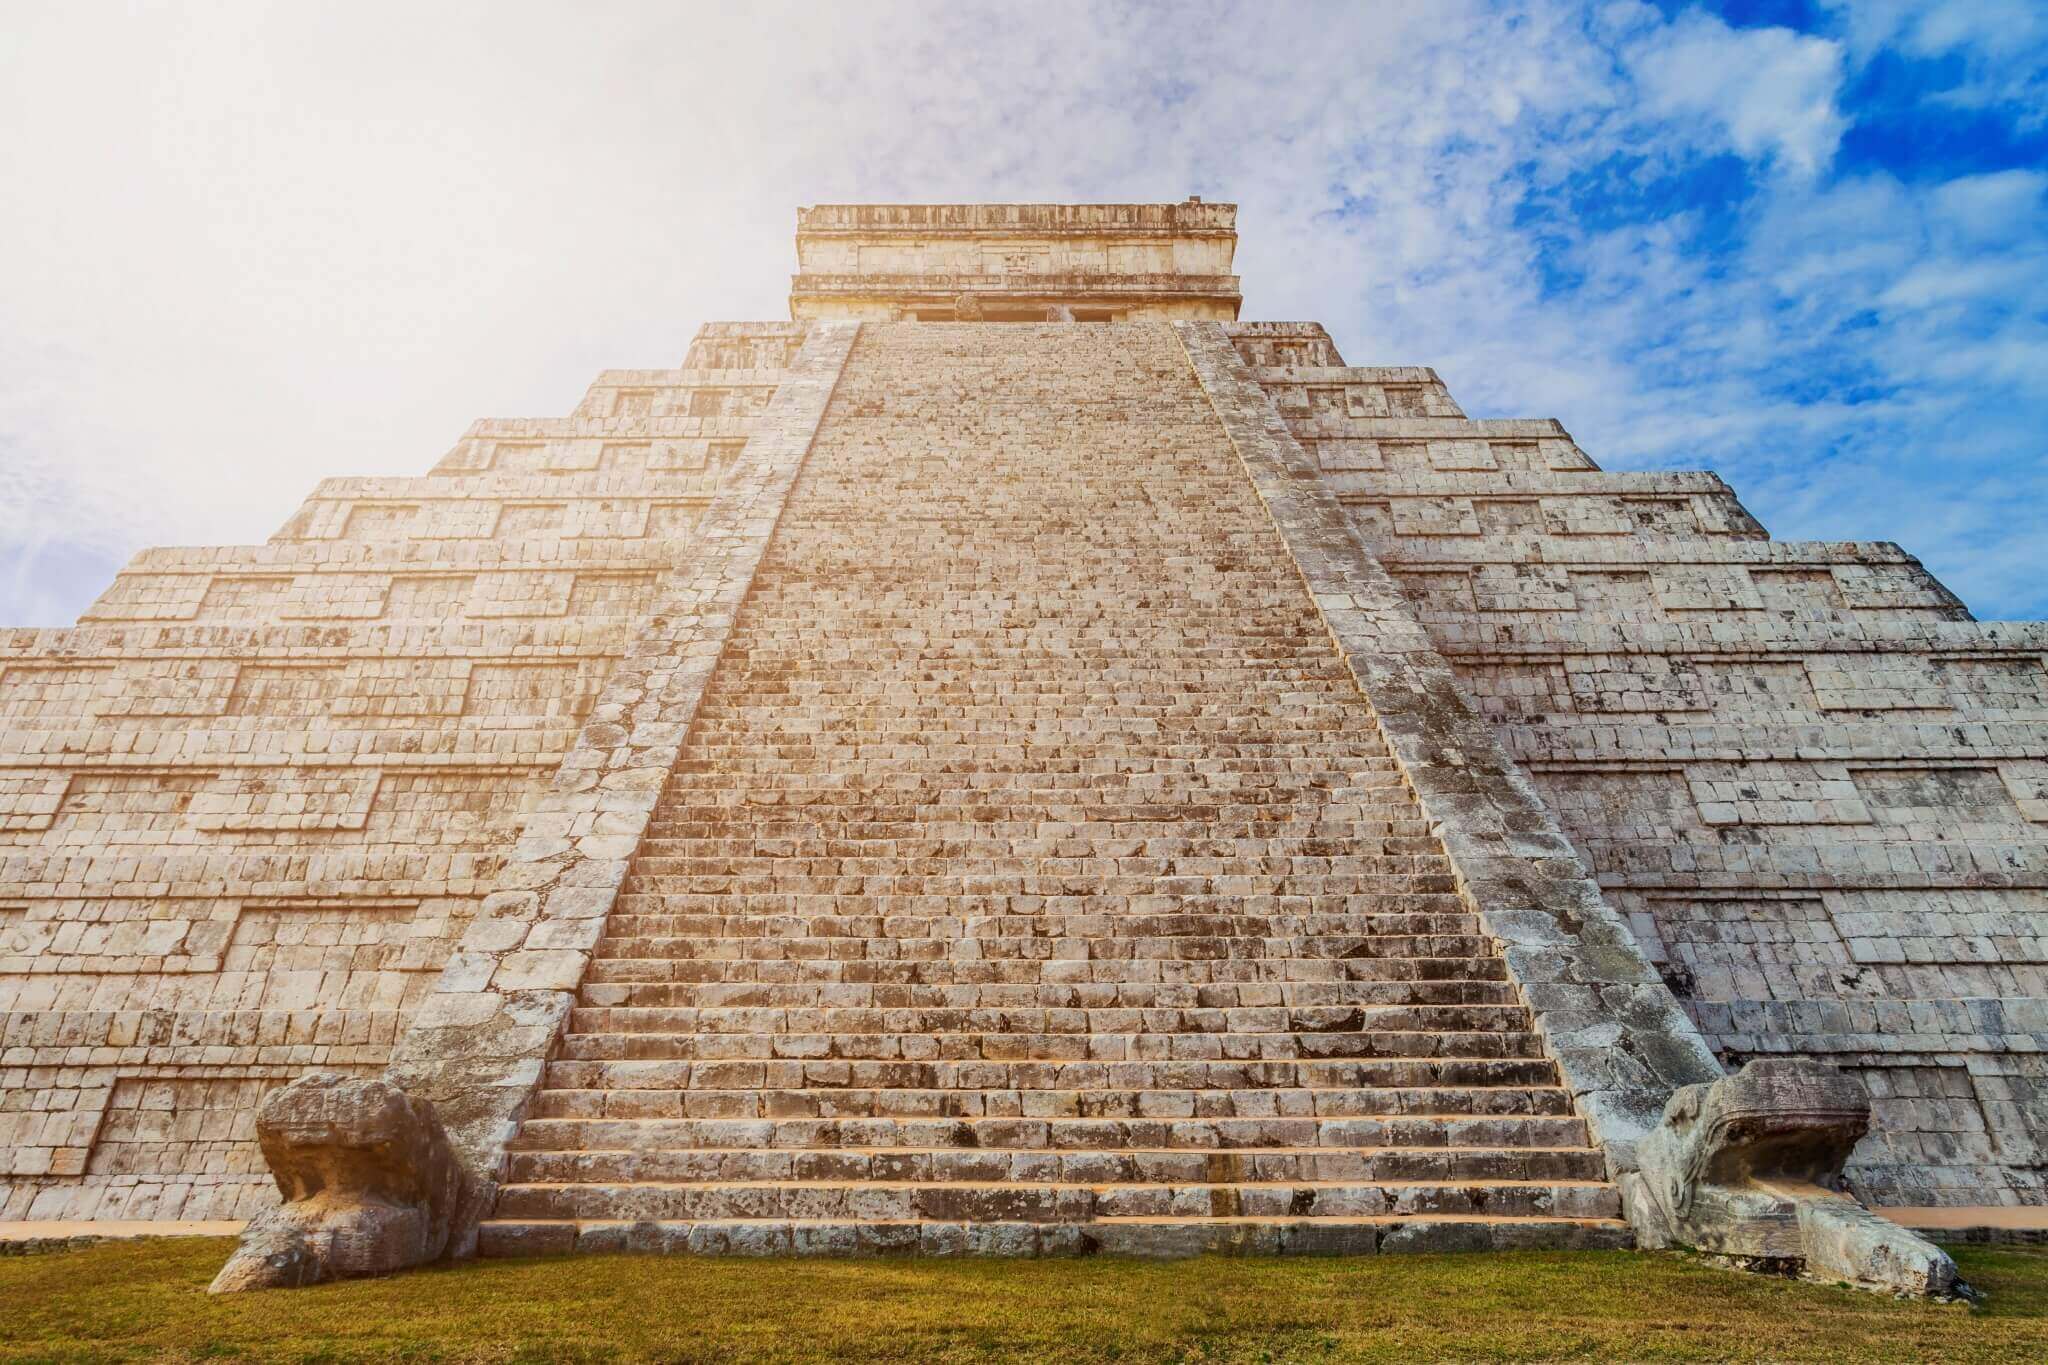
(1813, 784)
(1018, 760)
(251, 804)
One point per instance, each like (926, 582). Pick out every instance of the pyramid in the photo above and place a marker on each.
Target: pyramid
(1018, 760)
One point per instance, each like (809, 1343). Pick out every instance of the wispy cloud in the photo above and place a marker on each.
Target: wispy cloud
(251, 247)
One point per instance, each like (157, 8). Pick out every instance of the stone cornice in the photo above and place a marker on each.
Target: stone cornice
(1190, 218)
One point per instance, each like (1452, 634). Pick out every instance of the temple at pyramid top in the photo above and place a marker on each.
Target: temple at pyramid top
(1016, 262)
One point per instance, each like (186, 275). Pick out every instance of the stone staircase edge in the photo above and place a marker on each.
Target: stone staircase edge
(1619, 1037)
(477, 1047)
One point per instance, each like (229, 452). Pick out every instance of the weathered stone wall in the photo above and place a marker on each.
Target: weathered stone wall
(1811, 780)
(250, 804)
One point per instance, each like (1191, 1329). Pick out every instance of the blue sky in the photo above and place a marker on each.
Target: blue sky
(1804, 243)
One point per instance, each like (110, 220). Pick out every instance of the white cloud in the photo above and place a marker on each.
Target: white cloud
(1770, 90)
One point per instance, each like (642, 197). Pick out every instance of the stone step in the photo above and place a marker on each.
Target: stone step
(1358, 770)
(1169, 1166)
(1092, 623)
(746, 838)
(931, 961)
(1305, 875)
(773, 851)
(648, 964)
(854, 883)
(629, 925)
(604, 987)
(993, 892)
(1164, 948)
(1092, 677)
(1172, 707)
(764, 791)
(934, 765)
(1264, 910)
(1136, 925)
(871, 781)
(969, 758)
(1214, 847)
(747, 797)
(1169, 684)
(1001, 1102)
(688, 1045)
(1103, 729)
(846, 714)
(1508, 1130)
(1157, 1238)
(1088, 631)
(1020, 797)
(1045, 1202)
(1179, 710)
(938, 765)
(925, 775)
(763, 717)
(748, 672)
(1092, 770)
(940, 824)
(946, 1075)
(1306, 1019)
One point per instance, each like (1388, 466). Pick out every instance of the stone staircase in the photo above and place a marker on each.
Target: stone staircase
(1035, 879)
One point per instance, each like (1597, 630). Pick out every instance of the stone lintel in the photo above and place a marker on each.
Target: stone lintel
(1188, 218)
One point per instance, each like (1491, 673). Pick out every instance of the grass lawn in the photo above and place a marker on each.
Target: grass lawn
(146, 1300)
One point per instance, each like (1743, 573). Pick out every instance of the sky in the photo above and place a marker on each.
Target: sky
(246, 247)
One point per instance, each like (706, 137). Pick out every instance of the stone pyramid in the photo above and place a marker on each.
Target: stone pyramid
(1019, 760)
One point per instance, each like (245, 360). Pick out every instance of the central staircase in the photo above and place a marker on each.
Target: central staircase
(1035, 879)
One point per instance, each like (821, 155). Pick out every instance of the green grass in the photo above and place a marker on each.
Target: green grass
(146, 1300)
